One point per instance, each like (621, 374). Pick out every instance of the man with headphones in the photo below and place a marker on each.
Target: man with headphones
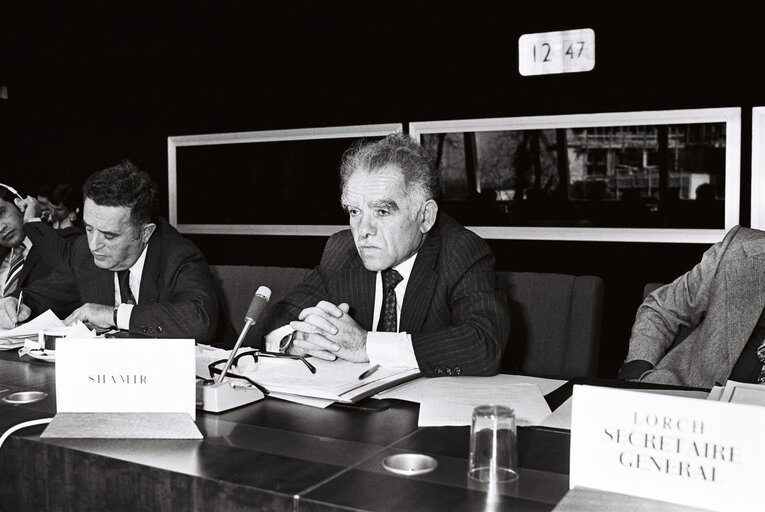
(23, 261)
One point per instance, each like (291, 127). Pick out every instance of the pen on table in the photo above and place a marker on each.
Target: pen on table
(18, 307)
(369, 372)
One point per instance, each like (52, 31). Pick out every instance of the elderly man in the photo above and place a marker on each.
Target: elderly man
(406, 285)
(132, 270)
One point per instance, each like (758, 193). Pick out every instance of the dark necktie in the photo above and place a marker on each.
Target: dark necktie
(126, 296)
(14, 270)
(390, 279)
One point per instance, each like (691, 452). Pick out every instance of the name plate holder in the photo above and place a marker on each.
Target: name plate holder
(687, 451)
(123, 388)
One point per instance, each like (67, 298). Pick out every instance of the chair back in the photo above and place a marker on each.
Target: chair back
(236, 286)
(555, 323)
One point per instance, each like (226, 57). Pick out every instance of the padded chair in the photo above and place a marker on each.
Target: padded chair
(236, 286)
(555, 323)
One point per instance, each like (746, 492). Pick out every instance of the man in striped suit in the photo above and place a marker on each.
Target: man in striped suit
(21, 260)
(406, 285)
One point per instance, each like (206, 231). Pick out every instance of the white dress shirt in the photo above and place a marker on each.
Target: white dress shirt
(383, 348)
(125, 310)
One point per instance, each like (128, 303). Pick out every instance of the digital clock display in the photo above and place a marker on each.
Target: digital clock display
(547, 53)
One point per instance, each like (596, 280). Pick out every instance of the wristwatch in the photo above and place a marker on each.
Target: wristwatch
(286, 342)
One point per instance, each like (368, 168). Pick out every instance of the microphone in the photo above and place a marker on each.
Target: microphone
(257, 306)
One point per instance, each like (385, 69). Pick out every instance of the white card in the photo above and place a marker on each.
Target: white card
(125, 375)
(693, 452)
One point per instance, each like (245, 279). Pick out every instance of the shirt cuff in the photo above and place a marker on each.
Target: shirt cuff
(391, 349)
(274, 337)
(633, 370)
(123, 316)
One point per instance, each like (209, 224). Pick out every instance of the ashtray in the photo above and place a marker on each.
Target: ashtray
(410, 464)
(24, 397)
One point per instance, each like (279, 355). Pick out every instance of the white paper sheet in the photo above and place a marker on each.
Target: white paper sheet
(45, 321)
(743, 393)
(450, 401)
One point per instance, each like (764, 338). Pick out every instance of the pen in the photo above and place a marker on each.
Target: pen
(369, 372)
(18, 307)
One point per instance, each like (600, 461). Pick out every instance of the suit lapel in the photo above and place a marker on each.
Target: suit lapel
(744, 293)
(149, 293)
(422, 283)
(358, 290)
(30, 262)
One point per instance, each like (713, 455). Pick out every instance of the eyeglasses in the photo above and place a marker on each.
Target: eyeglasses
(216, 367)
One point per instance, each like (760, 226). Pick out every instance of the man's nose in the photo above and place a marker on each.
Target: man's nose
(367, 226)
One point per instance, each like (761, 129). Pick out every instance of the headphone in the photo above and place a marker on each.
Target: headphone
(12, 191)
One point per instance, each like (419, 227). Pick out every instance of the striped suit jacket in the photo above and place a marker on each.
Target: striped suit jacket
(457, 317)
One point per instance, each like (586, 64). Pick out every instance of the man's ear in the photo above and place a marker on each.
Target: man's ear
(147, 231)
(428, 214)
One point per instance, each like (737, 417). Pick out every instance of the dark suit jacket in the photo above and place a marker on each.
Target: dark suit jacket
(457, 317)
(177, 297)
(48, 248)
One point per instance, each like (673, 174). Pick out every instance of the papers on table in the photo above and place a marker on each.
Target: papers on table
(739, 393)
(290, 379)
(446, 401)
(16, 337)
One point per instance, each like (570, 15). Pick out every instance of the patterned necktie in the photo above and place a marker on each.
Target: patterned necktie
(126, 296)
(390, 279)
(14, 270)
(761, 357)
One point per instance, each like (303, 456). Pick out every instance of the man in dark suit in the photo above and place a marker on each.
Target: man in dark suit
(132, 270)
(403, 267)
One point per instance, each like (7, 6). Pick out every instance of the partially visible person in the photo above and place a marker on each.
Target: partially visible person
(24, 257)
(708, 325)
(65, 208)
(43, 199)
(406, 285)
(132, 270)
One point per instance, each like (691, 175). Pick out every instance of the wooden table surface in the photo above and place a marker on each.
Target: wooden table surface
(270, 455)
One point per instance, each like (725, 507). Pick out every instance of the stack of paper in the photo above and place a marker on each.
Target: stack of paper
(18, 336)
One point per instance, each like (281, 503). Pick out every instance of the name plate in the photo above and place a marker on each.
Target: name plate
(693, 452)
(126, 375)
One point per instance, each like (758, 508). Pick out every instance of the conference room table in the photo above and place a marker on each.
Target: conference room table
(269, 455)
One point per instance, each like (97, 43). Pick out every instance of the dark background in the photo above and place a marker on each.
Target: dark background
(91, 84)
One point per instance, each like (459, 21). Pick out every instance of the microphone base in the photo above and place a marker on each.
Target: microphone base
(222, 396)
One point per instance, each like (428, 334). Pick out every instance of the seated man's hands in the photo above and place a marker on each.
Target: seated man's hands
(29, 207)
(97, 314)
(8, 318)
(328, 332)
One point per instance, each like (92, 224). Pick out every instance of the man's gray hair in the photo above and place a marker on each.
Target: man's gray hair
(417, 163)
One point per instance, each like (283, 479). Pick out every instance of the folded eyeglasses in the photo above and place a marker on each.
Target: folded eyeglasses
(216, 367)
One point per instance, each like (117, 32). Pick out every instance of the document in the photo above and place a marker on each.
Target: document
(16, 337)
(740, 393)
(290, 379)
(449, 401)
(334, 380)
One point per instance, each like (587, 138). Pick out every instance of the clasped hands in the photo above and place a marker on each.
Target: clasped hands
(96, 314)
(328, 332)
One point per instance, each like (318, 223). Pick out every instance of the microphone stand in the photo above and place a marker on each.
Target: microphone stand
(220, 395)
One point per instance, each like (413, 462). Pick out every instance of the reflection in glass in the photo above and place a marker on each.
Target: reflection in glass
(655, 176)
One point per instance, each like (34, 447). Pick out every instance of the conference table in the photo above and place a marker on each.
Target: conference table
(269, 455)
